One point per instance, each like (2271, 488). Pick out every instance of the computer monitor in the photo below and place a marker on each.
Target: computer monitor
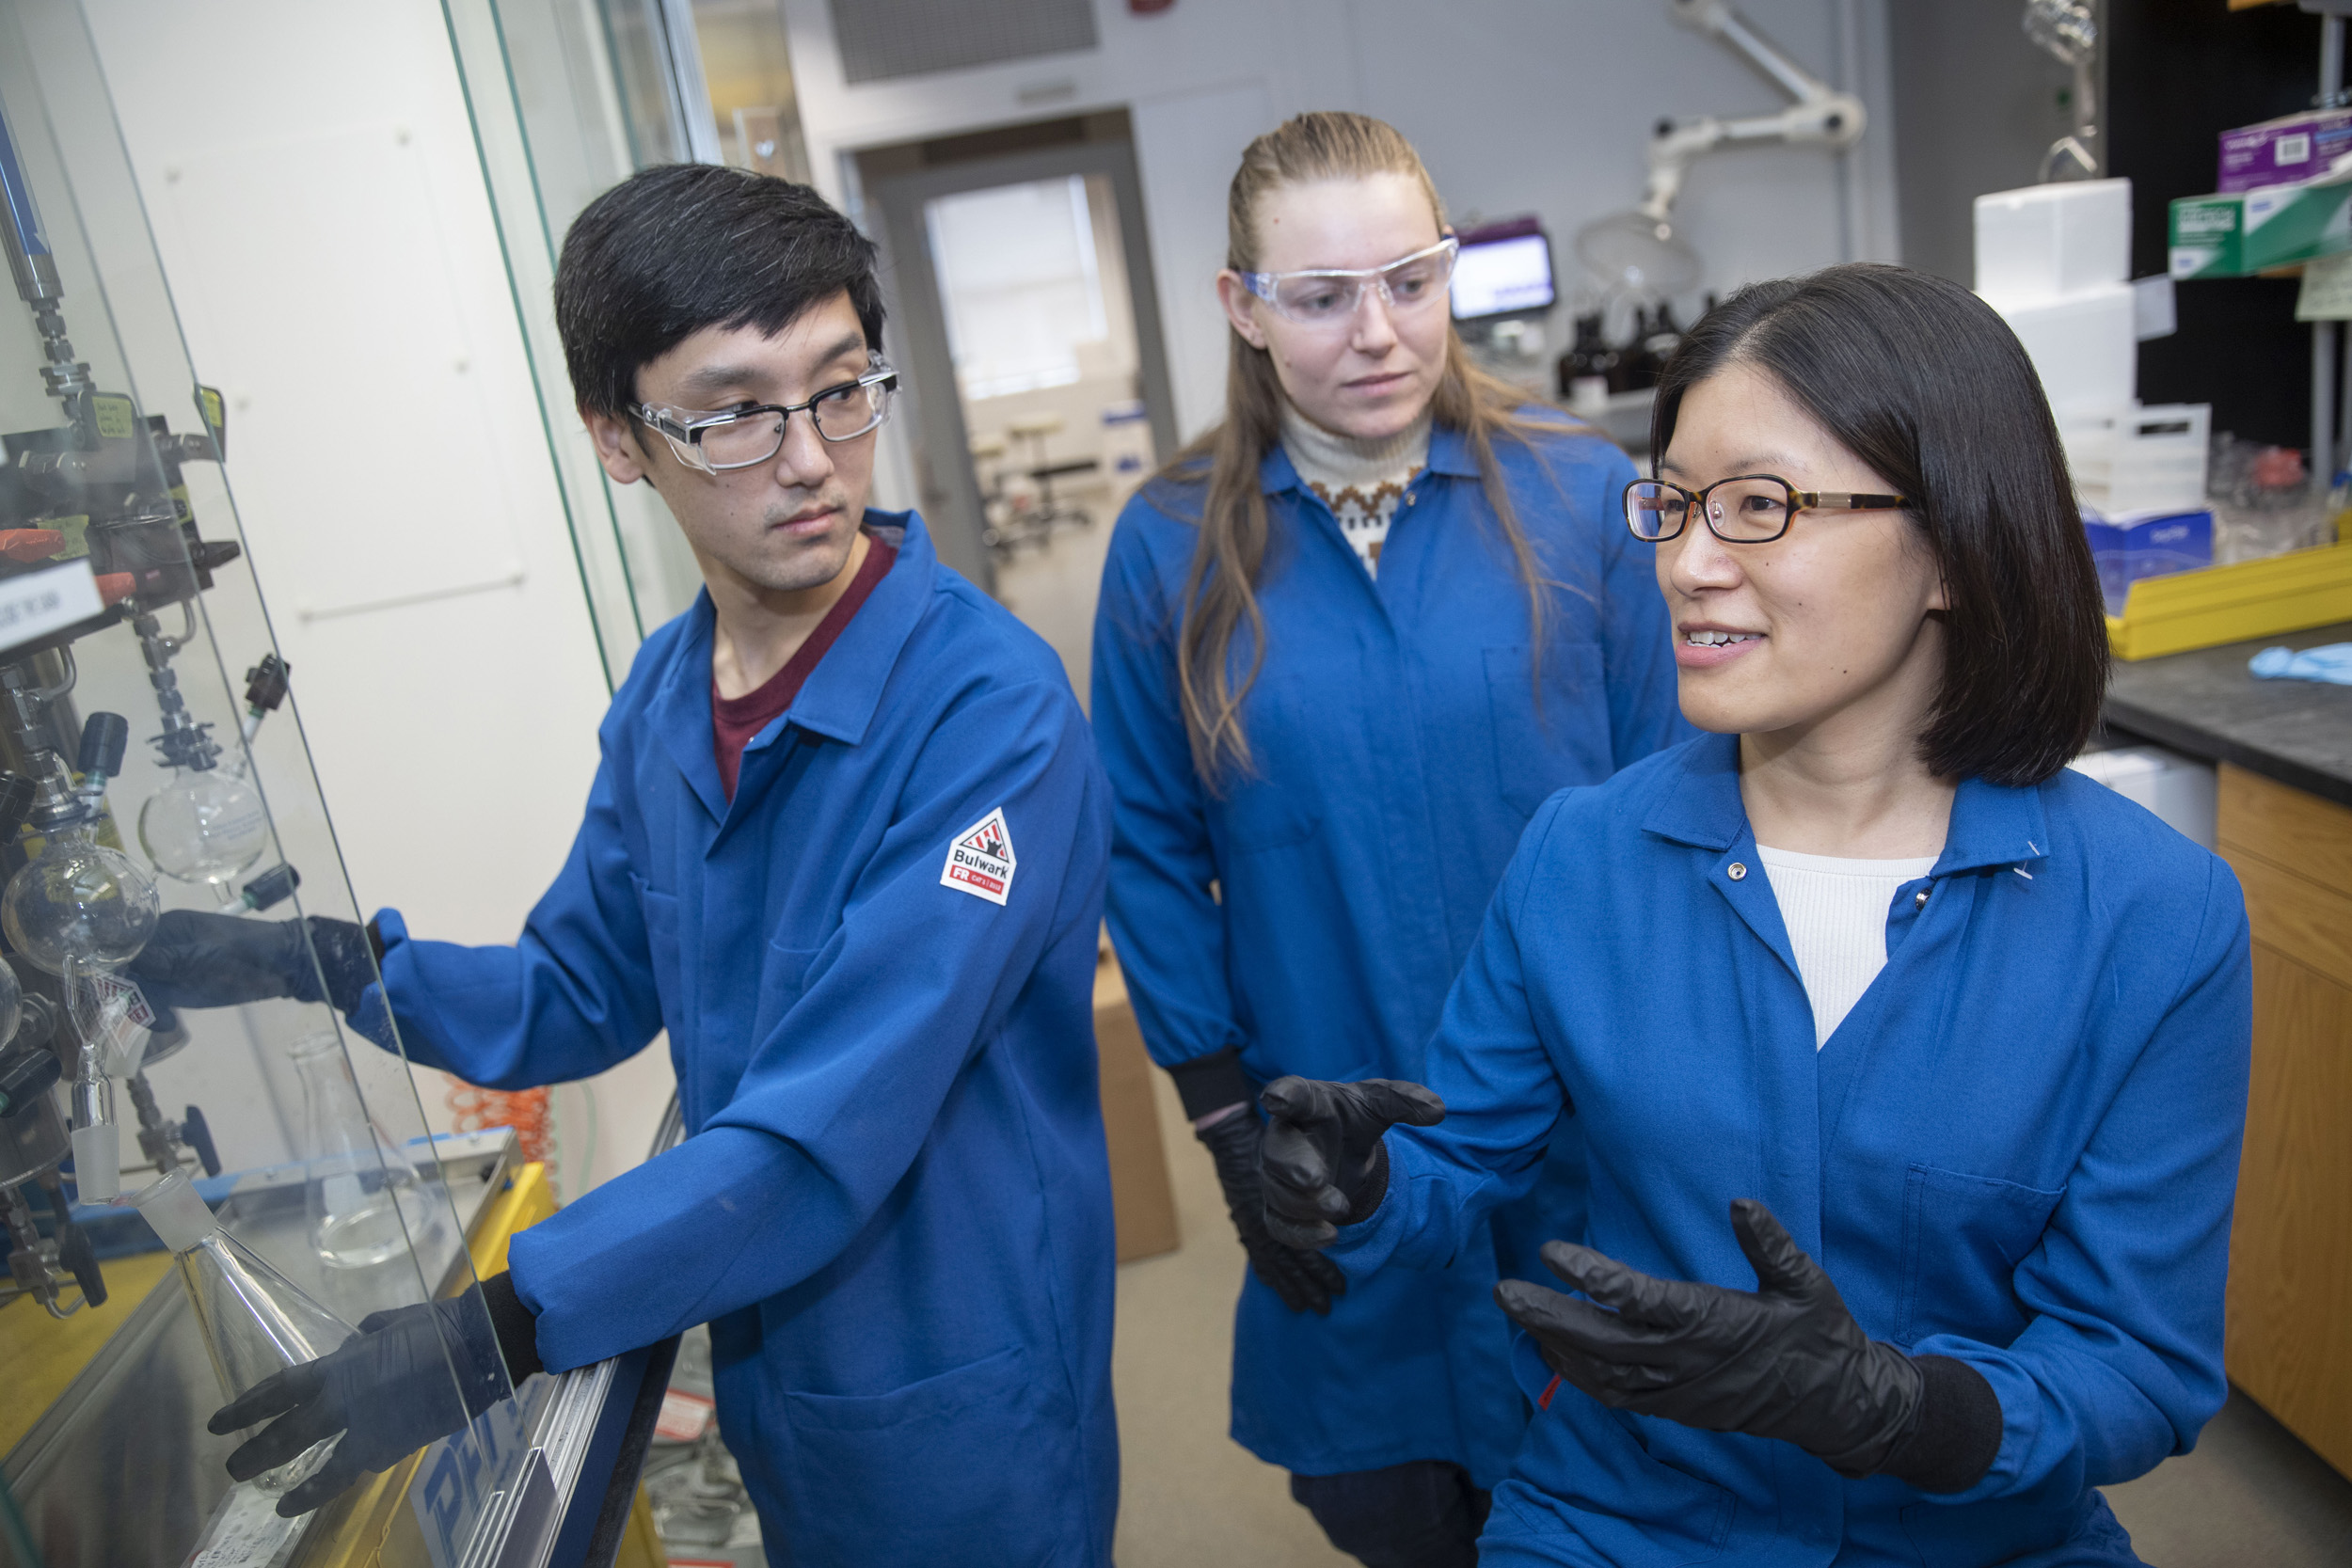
(1504, 269)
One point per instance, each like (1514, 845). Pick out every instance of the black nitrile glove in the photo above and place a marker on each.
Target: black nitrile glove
(198, 959)
(388, 1390)
(1306, 1281)
(1786, 1361)
(1323, 1164)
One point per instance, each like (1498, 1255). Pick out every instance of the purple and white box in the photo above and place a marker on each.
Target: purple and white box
(2285, 150)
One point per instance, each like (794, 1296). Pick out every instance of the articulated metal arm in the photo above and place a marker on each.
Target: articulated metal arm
(1820, 113)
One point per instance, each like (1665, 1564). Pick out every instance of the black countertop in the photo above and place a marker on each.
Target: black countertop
(2205, 704)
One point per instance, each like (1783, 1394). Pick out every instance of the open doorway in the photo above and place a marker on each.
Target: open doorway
(1030, 327)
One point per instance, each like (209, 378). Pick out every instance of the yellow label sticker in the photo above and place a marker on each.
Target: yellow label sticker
(76, 531)
(116, 417)
(214, 413)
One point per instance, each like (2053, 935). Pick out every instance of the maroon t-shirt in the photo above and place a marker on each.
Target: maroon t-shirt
(735, 719)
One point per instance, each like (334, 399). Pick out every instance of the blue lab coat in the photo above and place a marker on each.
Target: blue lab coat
(1400, 747)
(2019, 1149)
(894, 1205)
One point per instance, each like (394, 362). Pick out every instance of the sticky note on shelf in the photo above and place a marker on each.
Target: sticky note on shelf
(2327, 294)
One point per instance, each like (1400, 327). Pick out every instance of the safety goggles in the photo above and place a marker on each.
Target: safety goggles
(747, 436)
(1326, 297)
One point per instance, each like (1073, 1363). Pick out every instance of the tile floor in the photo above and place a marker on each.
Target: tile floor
(1192, 1498)
(1189, 1495)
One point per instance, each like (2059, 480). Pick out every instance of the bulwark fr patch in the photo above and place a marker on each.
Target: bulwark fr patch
(980, 859)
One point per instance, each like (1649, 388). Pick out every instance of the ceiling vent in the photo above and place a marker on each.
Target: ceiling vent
(882, 40)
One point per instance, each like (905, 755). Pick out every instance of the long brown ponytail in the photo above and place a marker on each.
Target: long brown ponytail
(1220, 590)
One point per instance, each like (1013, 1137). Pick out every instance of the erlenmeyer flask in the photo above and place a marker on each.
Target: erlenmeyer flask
(367, 1205)
(255, 1321)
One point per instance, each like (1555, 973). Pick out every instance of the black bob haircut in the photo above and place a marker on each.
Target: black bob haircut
(1918, 378)
(677, 248)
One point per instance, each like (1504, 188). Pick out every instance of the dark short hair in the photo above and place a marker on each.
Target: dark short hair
(677, 248)
(1920, 379)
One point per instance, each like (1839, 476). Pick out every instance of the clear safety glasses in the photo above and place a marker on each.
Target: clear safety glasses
(747, 436)
(1328, 298)
(1746, 509)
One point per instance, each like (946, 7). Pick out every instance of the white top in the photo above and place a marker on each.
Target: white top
(1361, 482)
(1835, 911)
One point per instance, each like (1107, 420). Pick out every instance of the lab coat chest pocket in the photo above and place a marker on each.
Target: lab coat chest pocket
(1964, 1237)
(1545, 745)
(922, 1475)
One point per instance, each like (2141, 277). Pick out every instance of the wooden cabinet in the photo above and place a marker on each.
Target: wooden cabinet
(2290, 1330)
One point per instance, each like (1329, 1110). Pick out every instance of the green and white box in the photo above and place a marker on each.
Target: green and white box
(2238, 233)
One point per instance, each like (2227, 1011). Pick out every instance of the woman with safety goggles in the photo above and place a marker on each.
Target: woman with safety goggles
(1348, 643)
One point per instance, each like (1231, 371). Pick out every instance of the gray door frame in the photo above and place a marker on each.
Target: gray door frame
(949, 486)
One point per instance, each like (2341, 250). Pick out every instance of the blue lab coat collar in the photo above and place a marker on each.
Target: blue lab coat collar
(841, 694)
(839, 698)
(1992, 825)
(1449, 454)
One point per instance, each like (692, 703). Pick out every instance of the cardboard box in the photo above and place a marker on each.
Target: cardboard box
(1143, 1200)
(2239, 233)
(2284, 151)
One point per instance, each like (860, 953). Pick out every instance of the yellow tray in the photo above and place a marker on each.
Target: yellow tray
(2215, 605)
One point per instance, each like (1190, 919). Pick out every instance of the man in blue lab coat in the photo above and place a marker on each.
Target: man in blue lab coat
(847, 846)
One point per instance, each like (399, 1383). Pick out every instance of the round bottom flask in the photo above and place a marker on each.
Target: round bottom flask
(206, 826)
(80, 902)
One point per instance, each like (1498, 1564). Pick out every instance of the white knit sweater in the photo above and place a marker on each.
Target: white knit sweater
(1361, 482)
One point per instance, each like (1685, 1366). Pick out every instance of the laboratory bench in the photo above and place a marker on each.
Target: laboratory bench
(2283, 821)
(2207, 704)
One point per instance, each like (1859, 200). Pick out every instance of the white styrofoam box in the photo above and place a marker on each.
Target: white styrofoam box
(2083, 345)
(2155, 307)
(2048, 240)
(2136, 459)
(2089, 436)
(2158, 456)
(2177, 789)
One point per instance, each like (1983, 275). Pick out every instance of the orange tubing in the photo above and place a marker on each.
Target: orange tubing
(527, 1111)
(30, 543)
